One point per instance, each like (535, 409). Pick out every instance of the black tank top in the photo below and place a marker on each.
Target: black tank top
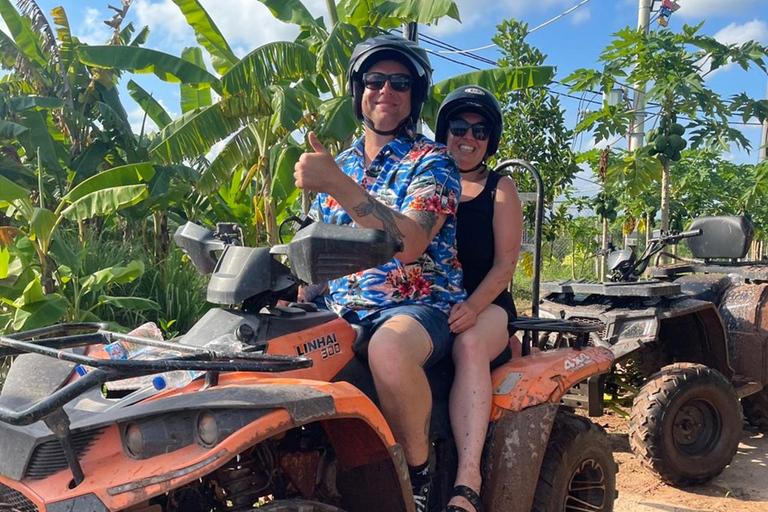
(475, 241)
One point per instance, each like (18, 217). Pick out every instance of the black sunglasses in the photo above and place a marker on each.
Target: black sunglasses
(459, 127)
(400, 82)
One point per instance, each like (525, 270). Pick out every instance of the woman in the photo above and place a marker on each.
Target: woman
(489, 234)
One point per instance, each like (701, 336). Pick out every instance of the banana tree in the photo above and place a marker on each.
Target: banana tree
(33, 279)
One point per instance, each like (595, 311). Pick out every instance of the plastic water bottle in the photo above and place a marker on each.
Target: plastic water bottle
(226, 343)
(175, 379)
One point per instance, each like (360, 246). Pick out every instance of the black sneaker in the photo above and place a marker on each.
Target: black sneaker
(421, 497)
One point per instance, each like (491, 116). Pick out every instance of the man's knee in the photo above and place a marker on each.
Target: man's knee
(400, 342)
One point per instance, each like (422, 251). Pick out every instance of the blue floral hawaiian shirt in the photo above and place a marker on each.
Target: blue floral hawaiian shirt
(410, 173)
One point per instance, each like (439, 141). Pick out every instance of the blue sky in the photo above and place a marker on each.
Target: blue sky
(571, 42)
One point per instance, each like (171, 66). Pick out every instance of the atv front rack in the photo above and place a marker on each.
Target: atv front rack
(648, 288)
(54, 341)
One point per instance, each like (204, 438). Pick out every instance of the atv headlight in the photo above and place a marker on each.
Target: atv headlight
(134, 440)
(149, 437)
(207, 429)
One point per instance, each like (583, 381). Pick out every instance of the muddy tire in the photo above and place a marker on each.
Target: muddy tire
(686, 424)
(578, 471)
(298, 506)
(756, 409)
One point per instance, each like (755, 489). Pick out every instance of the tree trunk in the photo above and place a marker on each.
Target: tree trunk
(665, 205)
(601, 277)
(46, 279)
(665, 197)
(162, 241)
(270, 219)
(573, 258)
(648, 228)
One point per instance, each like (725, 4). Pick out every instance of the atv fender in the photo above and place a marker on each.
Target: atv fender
(372, 472)
(694, 332)
(515, 449)
(544, 377)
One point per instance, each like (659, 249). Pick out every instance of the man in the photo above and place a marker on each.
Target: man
(395, 180)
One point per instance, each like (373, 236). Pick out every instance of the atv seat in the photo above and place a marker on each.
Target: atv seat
(722, 238)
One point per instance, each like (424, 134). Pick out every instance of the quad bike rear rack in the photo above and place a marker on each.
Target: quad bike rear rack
(64, 341)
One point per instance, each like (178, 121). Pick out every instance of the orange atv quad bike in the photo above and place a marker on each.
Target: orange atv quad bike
(286, 420)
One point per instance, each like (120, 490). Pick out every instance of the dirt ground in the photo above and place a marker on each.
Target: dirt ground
(742, 487)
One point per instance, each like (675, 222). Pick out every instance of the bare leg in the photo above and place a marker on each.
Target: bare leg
(396, 352)
(470, 404)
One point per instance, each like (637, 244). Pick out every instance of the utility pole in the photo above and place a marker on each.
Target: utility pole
(411, 31)
(764, 138)
(637, 129)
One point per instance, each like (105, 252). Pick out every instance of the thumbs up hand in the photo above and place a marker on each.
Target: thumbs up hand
(316, 171)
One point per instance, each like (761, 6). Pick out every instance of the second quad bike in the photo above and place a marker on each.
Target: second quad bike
(286, 420)
(692, 335)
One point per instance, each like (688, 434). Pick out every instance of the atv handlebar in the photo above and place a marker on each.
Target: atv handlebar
(630, 271)
(673, 238)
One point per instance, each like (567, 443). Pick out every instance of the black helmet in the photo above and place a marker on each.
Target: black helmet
(470, 98)
(390, 47)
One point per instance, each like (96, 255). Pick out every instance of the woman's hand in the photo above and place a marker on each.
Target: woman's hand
(463, 316)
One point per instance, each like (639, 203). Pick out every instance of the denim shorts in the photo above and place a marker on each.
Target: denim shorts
(434, 321)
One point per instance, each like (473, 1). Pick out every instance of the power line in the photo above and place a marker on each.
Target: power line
(493, 45)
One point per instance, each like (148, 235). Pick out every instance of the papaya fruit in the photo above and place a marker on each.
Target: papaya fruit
(677, 142)
(677, 129)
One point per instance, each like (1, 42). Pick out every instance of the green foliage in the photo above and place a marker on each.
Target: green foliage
(534, 124)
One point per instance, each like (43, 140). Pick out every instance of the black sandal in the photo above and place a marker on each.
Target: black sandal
(468, 494)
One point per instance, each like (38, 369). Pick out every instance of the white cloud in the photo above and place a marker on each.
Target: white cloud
(245, 24)
(93, 31)
(735, 33)
(581, 16)
(136, 118)
(700, 9)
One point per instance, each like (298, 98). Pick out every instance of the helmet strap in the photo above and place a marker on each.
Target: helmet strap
(369, 124)
(481, 164)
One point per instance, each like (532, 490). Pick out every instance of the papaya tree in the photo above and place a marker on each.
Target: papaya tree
(672, 68)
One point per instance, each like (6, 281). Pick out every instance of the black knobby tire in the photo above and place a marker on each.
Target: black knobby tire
(686, 424)
(578, 471)
(756, 409)
(298, 506)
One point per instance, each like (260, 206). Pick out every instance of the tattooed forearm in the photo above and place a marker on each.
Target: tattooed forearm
(386, 216)
(426, 220)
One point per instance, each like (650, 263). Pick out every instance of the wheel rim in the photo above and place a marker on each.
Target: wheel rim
(696, 428)
(586, 490)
